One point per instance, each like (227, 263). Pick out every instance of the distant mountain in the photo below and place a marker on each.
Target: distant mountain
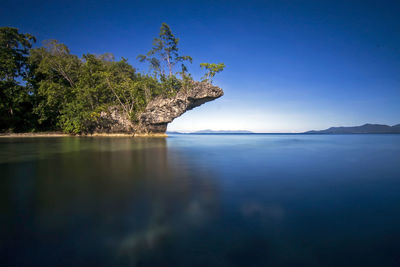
(222, 132)
(174, 133)
(213, 132)
(363, 129)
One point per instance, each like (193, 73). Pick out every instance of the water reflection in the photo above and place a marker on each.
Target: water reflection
(200, 201)
(102, 200)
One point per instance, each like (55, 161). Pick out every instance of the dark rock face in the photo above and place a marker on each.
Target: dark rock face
(160, 111)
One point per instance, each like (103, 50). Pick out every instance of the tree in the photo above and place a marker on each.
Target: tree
(89, 96)
(54, 73)
(212, 69)
(14, 50)
(120, 79)
(57, 60)
(164, 51)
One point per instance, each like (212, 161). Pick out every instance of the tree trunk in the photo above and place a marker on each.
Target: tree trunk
(169, 65)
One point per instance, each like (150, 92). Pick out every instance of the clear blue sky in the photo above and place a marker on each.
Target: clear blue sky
(291, 65)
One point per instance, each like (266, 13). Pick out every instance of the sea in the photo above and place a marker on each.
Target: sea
(201, 200)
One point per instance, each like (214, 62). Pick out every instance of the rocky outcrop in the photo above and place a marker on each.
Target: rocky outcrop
(114, 121)
(160, 111)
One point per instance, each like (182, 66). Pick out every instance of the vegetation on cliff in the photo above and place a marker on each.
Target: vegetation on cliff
(48, 88)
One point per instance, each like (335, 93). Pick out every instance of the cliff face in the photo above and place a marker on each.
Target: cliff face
(159, 112)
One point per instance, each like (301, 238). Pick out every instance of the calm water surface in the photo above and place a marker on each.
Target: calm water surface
(201, 200)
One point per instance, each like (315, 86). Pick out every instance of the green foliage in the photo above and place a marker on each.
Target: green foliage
(71, 92)
(64, 92)
(170, 86)
(54, 73)
(211, 69)
(164, 53)
(14, 48)
(15, 100)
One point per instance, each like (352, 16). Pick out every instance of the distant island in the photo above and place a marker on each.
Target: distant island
(214, 132)
(363, 129)
(222, 132)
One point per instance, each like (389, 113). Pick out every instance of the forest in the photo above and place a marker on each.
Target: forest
(47, 88)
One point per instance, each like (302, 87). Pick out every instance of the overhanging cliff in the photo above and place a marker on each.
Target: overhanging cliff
(160, 111)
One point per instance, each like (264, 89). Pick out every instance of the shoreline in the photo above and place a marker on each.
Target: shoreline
(60, 134)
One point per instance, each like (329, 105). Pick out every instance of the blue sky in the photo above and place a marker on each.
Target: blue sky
(291, 65)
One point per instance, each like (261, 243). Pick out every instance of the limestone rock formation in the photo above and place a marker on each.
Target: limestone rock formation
(114, 121)
(160, 111)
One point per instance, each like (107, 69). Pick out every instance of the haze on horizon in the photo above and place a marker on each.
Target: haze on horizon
(292, 66)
